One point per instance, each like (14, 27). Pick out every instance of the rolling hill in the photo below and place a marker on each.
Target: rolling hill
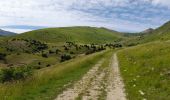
(162, 33)
(73, 34)
(144, 68)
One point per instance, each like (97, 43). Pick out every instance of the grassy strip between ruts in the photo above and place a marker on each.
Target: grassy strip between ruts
(146, 71)
(47, 83)
(105, 66)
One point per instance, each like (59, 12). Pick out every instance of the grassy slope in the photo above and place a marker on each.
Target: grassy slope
(146, 68)
(48, 82)
(74, 34)
(162, 33)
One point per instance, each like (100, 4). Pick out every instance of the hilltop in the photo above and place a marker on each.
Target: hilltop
(73, 34)
(161, 33)
(149, 30)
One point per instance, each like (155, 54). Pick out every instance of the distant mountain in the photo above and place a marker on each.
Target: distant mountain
(164, 29)
(150, 30)
(161, 33)
(6, 33)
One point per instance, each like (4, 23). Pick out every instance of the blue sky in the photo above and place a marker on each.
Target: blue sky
(121, 15)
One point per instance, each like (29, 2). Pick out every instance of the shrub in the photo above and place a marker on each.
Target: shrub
(44, 55)
(90, 52)
(65, 57)
(48, 65)
(15, 73)
(57, 51)
(66, 48)
(51, 52)
(117, 45)
(71, 52)
(39, 63)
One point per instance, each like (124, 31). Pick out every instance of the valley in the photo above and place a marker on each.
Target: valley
(85, 63)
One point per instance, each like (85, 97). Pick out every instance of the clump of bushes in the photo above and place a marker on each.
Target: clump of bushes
(115, 45)
(65, 57)
(15, 73)
(30, 45)
(95, 49)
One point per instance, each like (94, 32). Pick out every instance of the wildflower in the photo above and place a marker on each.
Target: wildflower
(141, 92)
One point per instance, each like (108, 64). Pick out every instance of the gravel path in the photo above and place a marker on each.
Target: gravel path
(115, 89)
(80, 86)
(97, 82)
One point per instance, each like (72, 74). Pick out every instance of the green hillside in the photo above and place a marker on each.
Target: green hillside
(161, 33)
(41, 63)
(73, 34)
(146, 72)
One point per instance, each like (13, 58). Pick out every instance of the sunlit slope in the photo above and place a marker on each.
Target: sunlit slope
(146, 71)
(73, 34)
(162, 33)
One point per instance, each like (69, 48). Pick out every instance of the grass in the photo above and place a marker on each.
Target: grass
(146, 71)
(162, 33)
(48, 82)
(30, 59)
(73, 34)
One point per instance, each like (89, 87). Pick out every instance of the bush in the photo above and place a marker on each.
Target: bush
(71, 52)
(15, 73)
(57, 51)
(65, 57)
(89, 52)
(51, 52)
(45, 55)
(48, 65)
(117, 45)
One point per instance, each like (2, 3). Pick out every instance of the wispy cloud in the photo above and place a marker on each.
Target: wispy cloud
(121, 15)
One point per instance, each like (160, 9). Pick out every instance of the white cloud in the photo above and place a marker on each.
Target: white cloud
(59, 13)
(165, 3)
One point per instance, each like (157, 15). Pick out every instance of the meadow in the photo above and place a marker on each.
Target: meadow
(146, 72)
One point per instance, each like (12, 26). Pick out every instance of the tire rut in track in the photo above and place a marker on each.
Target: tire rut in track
(115, 89)
(80, 86)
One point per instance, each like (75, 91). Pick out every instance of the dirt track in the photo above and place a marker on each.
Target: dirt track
(96, 83)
